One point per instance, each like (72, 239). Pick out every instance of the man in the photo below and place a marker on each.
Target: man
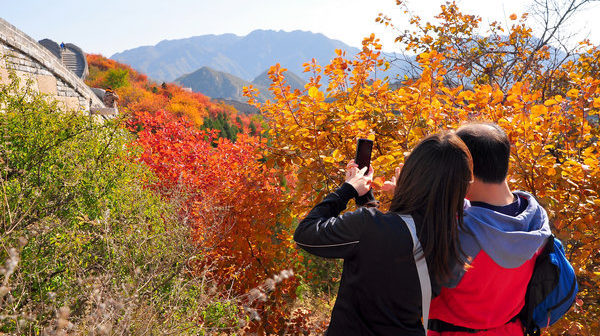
(504, 232)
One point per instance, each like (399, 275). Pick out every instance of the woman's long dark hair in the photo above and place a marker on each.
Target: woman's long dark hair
(433, 183)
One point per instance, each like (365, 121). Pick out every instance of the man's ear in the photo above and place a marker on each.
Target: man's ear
(475, 182)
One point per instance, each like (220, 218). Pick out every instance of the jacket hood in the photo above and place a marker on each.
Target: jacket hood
(509, 241)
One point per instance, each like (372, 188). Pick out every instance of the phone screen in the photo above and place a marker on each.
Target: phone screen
(363, 153)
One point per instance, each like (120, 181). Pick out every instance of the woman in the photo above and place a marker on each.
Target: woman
(379, 291)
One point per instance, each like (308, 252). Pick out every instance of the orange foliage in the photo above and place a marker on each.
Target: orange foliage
(550, 114)
(141, 94)
(233, 204)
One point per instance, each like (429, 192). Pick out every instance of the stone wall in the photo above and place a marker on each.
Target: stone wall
(33, 63)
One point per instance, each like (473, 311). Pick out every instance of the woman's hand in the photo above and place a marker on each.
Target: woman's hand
(359, 179)
(390, 186)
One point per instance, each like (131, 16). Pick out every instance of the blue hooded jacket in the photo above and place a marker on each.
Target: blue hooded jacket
(501, 250)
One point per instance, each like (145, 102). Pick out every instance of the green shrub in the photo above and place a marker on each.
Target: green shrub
(85, 247)
(221, 316)
(117, 78)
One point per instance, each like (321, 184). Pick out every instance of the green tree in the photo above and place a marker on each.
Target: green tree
(223, 124)
(117, 78)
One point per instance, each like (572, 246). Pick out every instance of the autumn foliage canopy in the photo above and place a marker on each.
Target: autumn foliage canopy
(242, 198)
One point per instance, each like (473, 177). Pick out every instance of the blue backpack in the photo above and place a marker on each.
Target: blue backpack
(551, 290)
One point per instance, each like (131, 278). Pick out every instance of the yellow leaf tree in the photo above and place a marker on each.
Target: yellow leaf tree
(548, 107)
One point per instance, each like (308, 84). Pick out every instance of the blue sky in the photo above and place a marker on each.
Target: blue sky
(110, 26)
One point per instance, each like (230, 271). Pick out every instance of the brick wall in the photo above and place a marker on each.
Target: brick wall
(32, 63)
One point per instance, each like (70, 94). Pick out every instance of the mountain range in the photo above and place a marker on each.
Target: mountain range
(218, 84)
(245, 57)
(219, 66)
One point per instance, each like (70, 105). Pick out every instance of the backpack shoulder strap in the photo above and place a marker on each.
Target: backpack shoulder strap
(422, 269)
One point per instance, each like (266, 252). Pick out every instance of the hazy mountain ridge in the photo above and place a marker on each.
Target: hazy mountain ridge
(243, 56)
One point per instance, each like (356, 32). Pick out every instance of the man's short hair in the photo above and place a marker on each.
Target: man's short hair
(490, 150)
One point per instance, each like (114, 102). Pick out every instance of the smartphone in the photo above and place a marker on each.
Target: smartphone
(364, 147)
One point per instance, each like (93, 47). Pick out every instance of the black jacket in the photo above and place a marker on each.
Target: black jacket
(379, 291)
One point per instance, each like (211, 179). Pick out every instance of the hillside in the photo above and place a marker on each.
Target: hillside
(139, 94)
(244, 108)
(218, 84)
(242, 56)
(293, 80)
